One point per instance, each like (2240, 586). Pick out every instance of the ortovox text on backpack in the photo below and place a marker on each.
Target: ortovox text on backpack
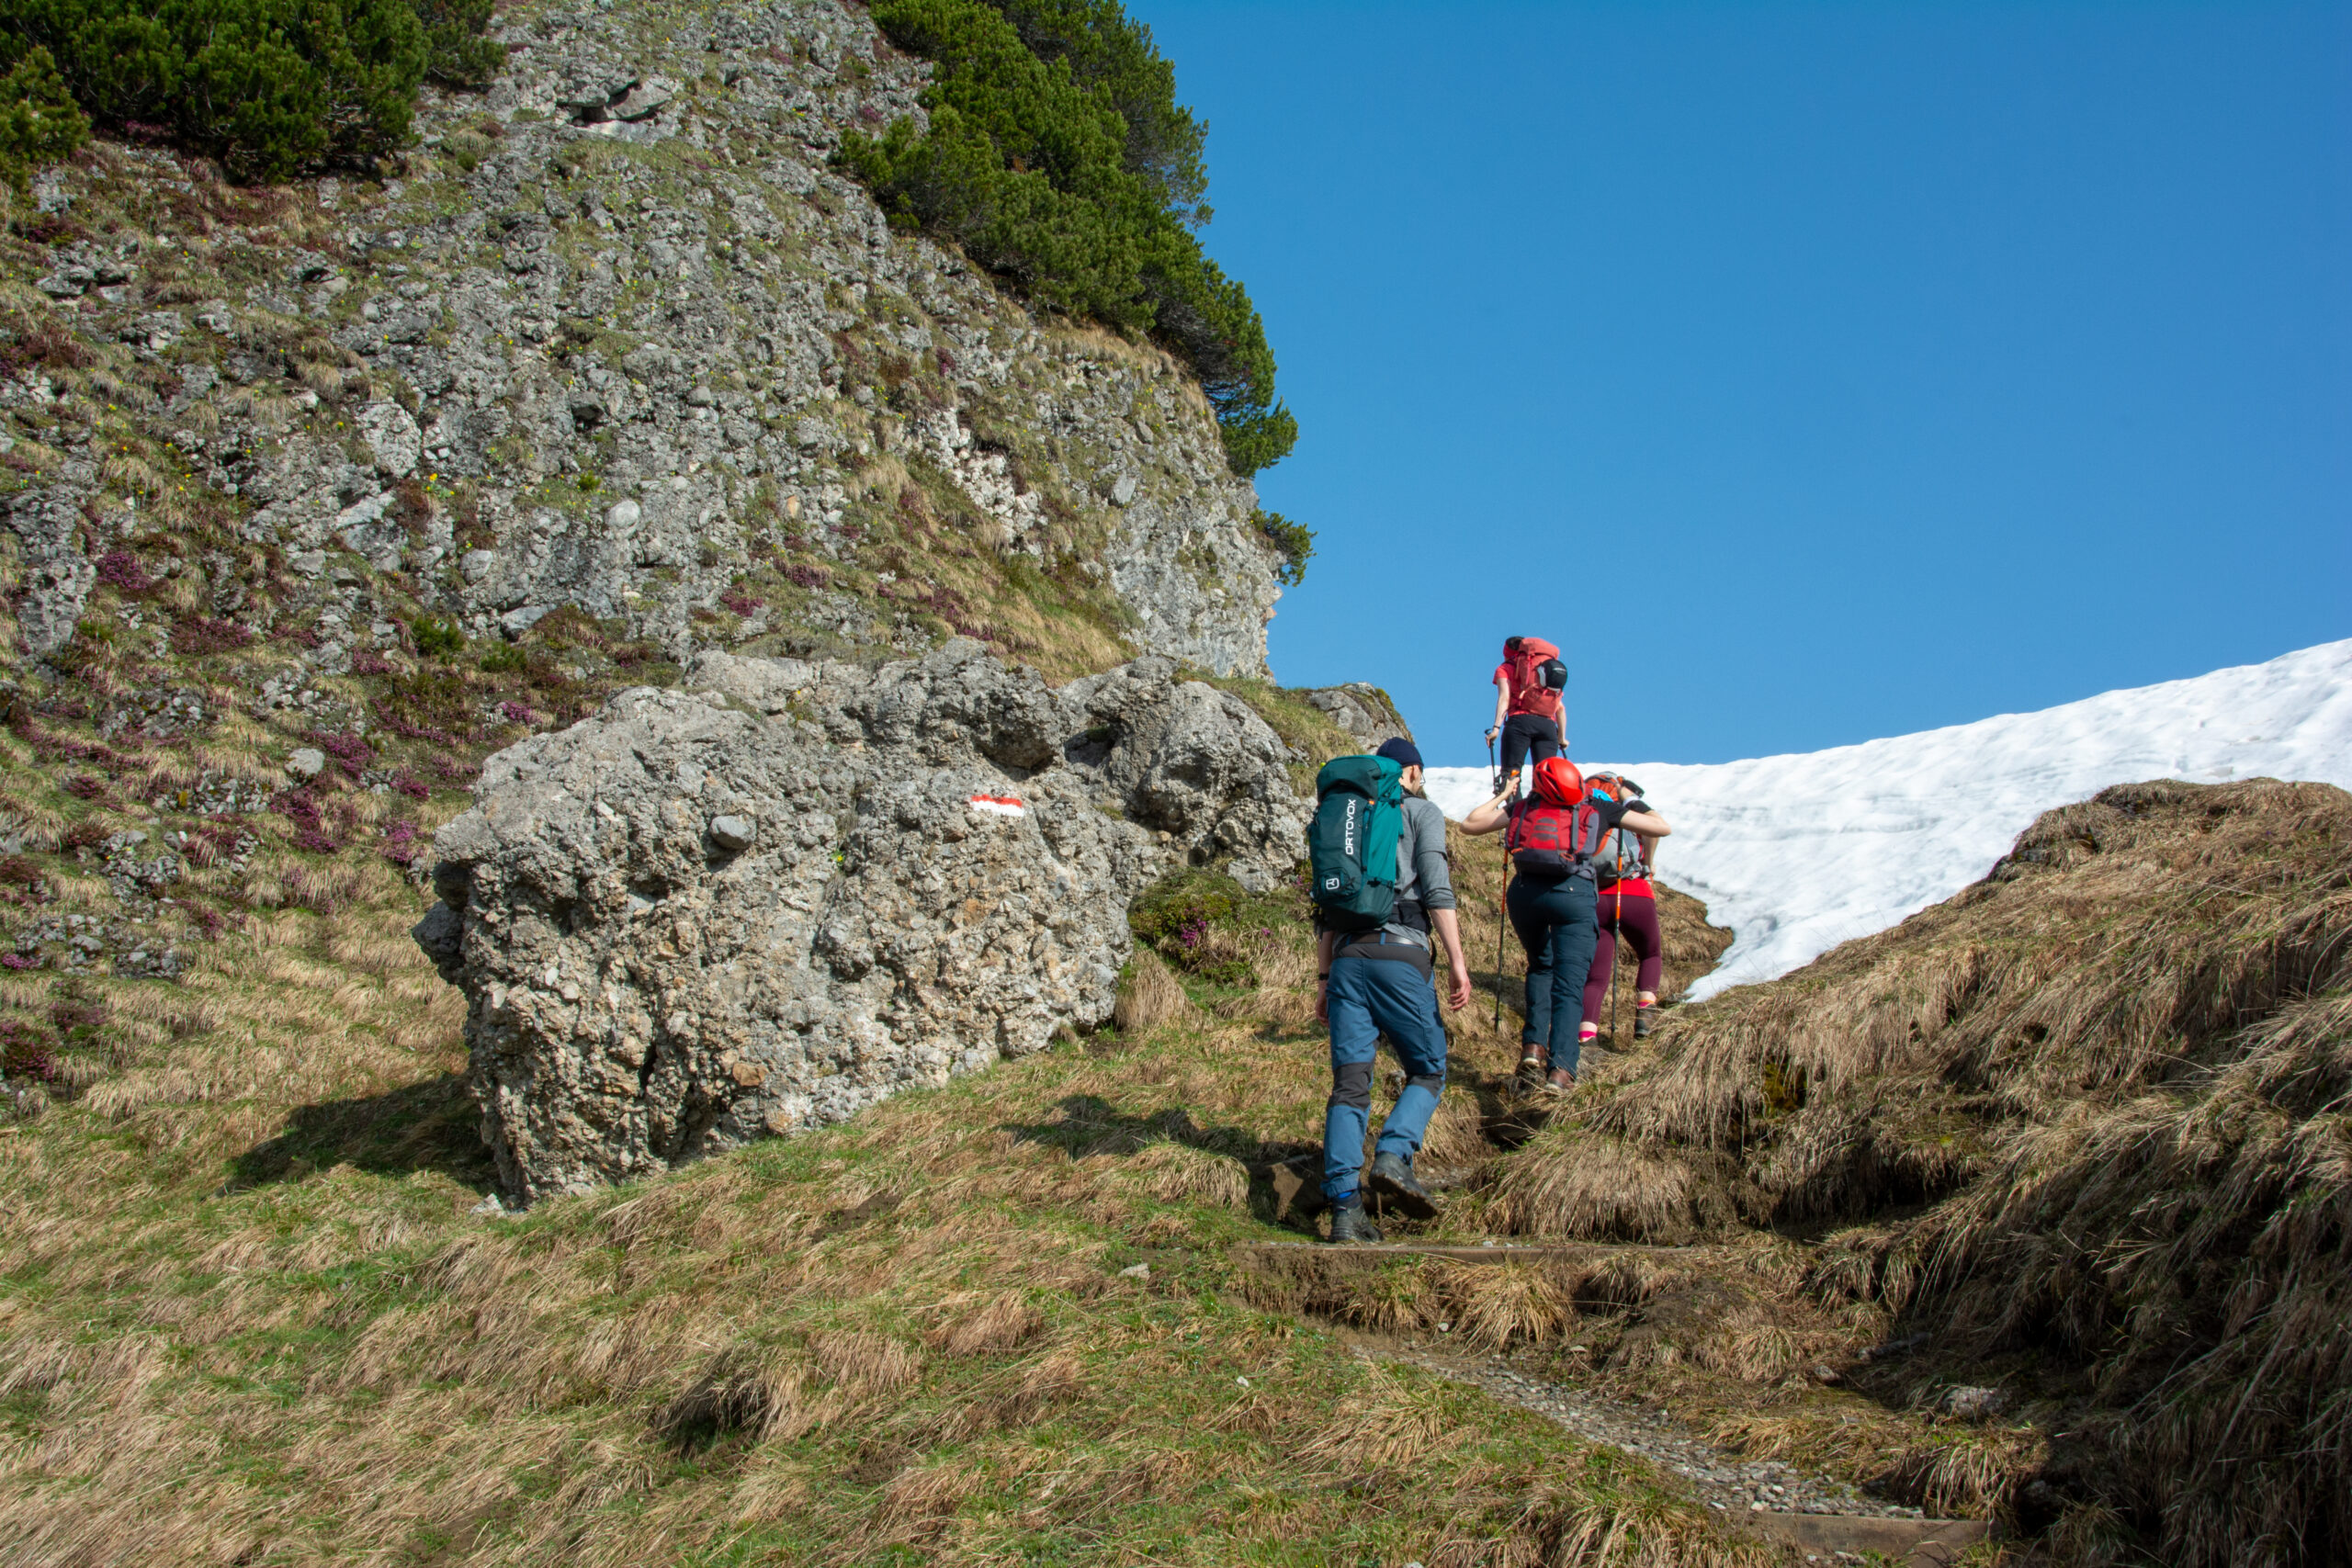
(1351, 843)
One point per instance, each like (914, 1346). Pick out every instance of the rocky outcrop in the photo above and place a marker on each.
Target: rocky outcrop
(787, 890)
(619, 337)
(1363, 710)
(47, 523)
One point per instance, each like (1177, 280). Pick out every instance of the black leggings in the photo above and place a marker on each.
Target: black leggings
(1523, 732)
(1637, 918)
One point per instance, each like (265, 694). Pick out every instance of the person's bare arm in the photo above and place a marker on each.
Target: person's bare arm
(1649, 848)
(1492, 816)
(1325, 943)
(1648, 825)
(1449, 927)
(1502, 705)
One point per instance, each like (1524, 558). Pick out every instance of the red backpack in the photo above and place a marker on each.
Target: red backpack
(1555, 832)
(1537, 676)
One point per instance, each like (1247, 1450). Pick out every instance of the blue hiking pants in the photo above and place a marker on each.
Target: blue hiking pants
(1556, 925)
(1368, 998)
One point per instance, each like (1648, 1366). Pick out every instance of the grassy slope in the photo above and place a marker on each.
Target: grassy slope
(249, 1317)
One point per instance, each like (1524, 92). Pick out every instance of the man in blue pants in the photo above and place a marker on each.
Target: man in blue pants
(1383, 982)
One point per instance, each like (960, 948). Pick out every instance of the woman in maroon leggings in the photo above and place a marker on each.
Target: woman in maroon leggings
(1627, 908)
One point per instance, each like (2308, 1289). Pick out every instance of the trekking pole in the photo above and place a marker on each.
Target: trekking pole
(1502, 925)
(1494, 772)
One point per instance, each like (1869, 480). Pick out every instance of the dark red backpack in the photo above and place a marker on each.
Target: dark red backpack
(1537, 675)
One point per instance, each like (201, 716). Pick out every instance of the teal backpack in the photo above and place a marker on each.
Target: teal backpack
(1351, 843)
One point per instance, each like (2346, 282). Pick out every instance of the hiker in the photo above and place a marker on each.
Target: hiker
(1625, 905)
(1552, 836)
(1376, 973)
(1528, 711)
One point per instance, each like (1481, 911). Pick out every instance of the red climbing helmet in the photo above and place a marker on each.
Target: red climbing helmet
(1557, 782)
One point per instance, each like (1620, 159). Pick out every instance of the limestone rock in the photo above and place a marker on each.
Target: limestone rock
(306, 764)
(787, 890)
(392, 434)
(1364, 711)
(58, 574)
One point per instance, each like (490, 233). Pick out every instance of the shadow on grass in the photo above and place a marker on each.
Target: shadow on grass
(1092, 1126)
(429, 1125)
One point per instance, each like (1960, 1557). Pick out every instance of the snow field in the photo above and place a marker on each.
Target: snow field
(1797, 854)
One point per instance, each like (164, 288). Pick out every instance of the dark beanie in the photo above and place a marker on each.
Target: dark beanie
(1401, 751)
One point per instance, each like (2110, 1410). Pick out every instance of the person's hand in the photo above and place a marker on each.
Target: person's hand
(1323, 999)
(1492, 730)
(1460, 996)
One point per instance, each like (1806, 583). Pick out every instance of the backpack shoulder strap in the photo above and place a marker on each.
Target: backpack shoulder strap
(1587, 835)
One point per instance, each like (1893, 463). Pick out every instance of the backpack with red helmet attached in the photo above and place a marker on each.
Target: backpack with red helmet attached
(1537, 676)
(1555, 832)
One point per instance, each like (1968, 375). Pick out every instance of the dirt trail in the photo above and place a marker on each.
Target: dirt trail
(1724, 1481)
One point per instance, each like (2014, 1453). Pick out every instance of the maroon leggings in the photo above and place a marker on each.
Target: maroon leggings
(1637, 918)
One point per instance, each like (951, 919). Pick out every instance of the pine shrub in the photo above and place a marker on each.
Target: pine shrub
(39, 122)
(270, 87)
(1058, 156)
(1293, 542)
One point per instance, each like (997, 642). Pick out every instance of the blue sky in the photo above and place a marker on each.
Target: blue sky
(1811, 372)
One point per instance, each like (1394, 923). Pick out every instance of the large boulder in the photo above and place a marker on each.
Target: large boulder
(785, 891)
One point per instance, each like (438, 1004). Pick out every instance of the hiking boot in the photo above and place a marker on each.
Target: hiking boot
(1642, 1024)
(1531, 1060)
(1562, 1081)
(1393, 1179)
(1352, 1226)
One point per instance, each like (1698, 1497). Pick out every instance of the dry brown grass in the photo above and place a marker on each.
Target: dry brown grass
(1149, 995)
(2090, 1111)
(1570, 1182)
(1495, 1306)
(1000, 1324)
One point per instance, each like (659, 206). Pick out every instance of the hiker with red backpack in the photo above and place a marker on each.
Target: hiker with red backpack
(1529, 713)
(1552, 835)
(1626, 906)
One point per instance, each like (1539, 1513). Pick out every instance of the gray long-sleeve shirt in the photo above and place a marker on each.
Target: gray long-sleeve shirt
(1422, 871)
